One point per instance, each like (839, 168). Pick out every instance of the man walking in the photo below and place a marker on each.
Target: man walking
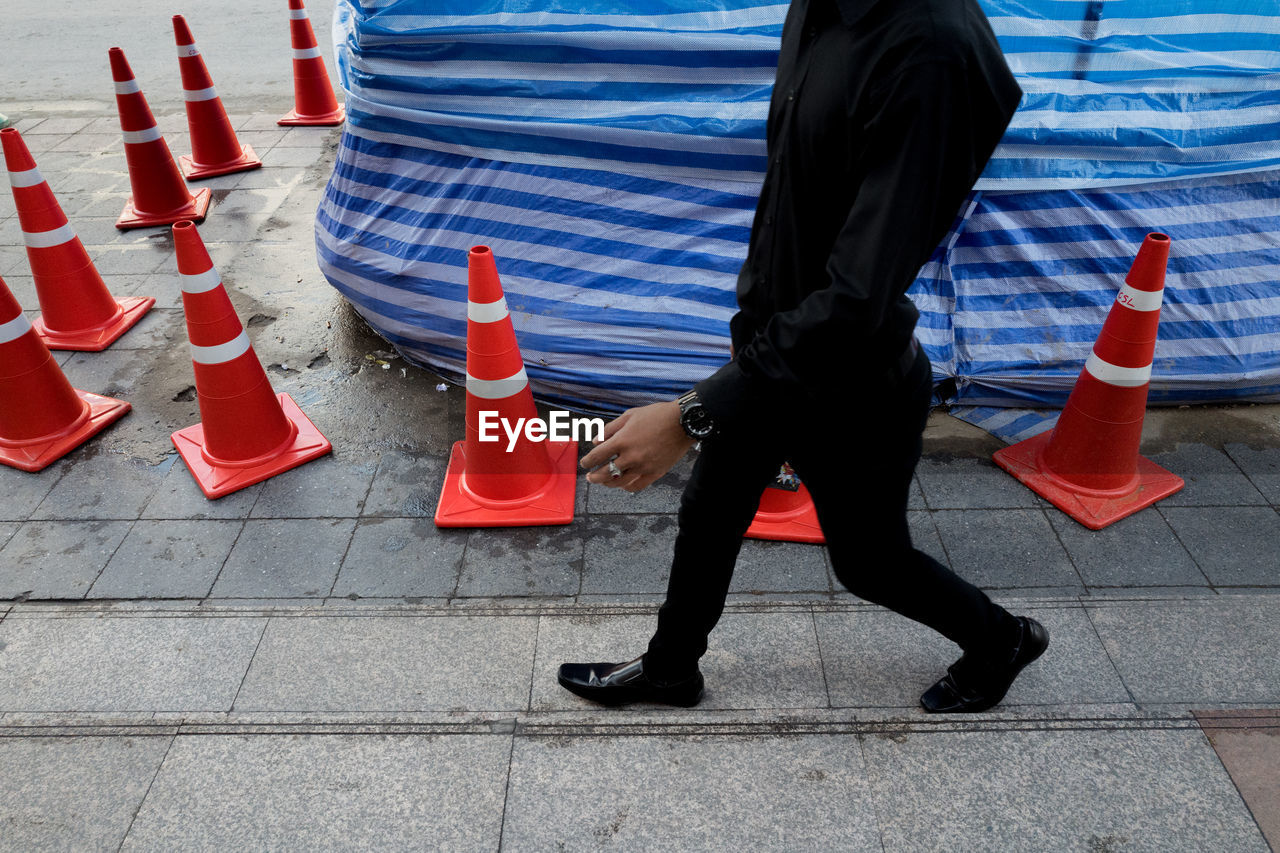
(884, 113)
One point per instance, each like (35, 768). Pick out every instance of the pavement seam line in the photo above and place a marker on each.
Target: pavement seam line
(147, 793)
(506, 790)
(822, 662)
(266, 623)
(107, 562)
(342, 562)
(221, 566)
(871, 791)
(1208, 581)
(1114, 667)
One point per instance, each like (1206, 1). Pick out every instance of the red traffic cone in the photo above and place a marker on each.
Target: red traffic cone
(314, 103)
(42, 418)
(1088, 465)
(214, 147)
(786, 514)
(160, 195)
(77, 310)
(247, 433)
(487, 484)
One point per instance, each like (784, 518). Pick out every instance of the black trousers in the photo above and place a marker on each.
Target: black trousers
(857, 460)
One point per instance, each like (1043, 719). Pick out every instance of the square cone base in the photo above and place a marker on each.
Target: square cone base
(1095, 512)
(799, 525)
(292, 119)
(553, 504)
(193, 171)
(218, 480)
(96, 340)
(131, 218)
(37, 455)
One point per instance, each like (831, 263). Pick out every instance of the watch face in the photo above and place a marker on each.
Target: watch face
(697, 422)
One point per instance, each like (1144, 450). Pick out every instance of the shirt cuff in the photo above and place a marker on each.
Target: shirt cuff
(734, 398)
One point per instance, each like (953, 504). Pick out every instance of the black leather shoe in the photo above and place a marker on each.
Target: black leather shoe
(622, 683)
(973, 684)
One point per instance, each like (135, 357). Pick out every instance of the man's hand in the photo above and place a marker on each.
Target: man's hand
(644, 444)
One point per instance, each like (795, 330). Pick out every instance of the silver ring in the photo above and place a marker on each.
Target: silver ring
(614, 471)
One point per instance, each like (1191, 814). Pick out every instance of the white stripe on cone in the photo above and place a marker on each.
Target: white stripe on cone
(307, 53)
(487, 312)
(222, 353)
(14, 329)
(298, 14)
(199, 94)
(49, 239)
(497, 389)
(134, 137)
(127, 87)
(185, 50)
(1114, 374)
(201, 282)
(1140, 300)
(26, 178)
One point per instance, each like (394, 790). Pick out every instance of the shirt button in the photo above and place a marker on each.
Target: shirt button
(768, 220)
(791, 96)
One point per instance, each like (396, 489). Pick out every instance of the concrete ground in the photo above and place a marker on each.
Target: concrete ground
(311, 664)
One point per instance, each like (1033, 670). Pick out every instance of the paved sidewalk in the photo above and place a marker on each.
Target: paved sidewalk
(311, 664)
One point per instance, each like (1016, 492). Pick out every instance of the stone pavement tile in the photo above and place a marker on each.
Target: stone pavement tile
(164, 287)
(328, 487)
(915, 498)
(61, 125)
(405, 485)
(57, 559)
(22, 491)
(7, 529)
(286, 156)
(118, 373)
(880, 659)
(1202, 652)
(519, 561)
(1088, 790)
(250, 201)
(307, 793)
(392, 663)
(1248, 744)
(23, 288)
(754, 660)
(60, 793)
(401, 557)
(102, 486)
(628, 553)
(262, 141)
(161, 328)
(89, 143)
(803, 793)
(1212, 478)
(179, 497)
(1140, 550)
(1261, 466)
(167, 559)
(765, 566)
(285, 558)
(269, 176)
(662, 497)
(967, 483)
(1235, 546)
(1005, 548)
(98, 664)
(128, 260)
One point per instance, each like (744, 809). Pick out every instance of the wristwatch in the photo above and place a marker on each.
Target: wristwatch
(695, 420)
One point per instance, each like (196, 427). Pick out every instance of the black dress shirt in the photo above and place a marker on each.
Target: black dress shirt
(883, 114)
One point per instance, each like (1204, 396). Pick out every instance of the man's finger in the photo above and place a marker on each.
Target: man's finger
(598, 455)
(616, 424)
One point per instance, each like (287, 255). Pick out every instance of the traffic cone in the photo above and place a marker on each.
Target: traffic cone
(42, 418)
(786, 514)
(214, 147)
(247, 433)
(77, 310)
(314, 103)
(485, 484)
(1088, 465)
(160, 195)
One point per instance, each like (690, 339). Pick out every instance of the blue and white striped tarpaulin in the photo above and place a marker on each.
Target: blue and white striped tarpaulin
(610, 153)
